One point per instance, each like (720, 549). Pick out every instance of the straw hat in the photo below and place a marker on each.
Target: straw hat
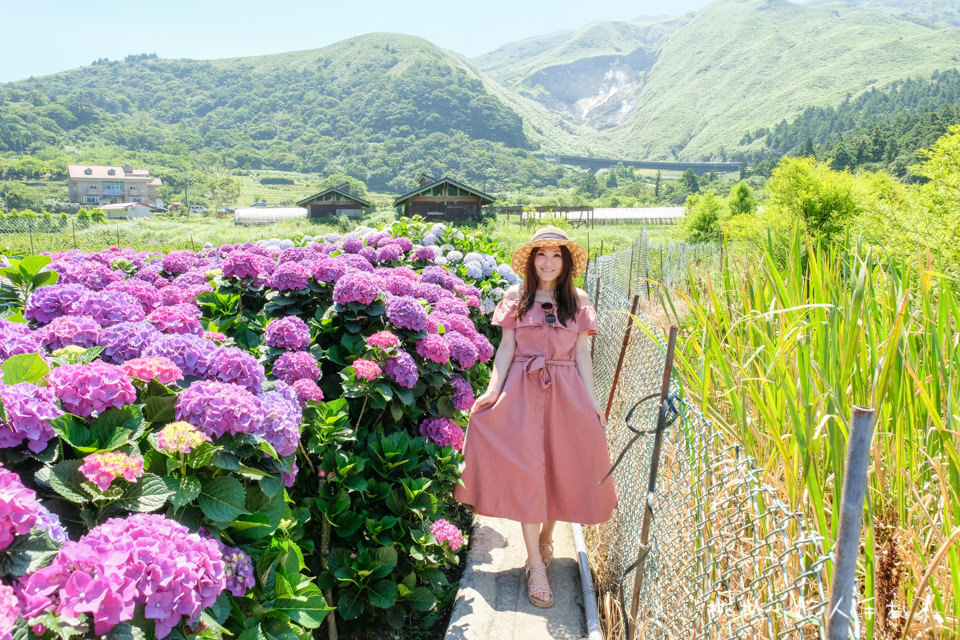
(554, 237)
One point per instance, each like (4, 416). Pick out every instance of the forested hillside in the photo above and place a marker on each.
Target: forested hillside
(378, 107)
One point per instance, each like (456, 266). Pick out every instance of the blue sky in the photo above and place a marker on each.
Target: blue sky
(46, 37)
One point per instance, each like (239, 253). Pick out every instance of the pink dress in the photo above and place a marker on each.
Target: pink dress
(539, 452)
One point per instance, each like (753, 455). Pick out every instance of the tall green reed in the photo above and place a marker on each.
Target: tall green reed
(779, 353)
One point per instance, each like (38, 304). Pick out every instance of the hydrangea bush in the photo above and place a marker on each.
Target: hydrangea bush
(283, 417)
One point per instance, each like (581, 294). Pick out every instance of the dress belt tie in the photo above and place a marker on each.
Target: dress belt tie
(538, 364)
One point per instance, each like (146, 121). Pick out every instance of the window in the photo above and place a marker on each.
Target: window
(88, 171)
(93, 187)
(111, 172)
(136, 199)
(90, 199)
(436, 191)
(133, 188)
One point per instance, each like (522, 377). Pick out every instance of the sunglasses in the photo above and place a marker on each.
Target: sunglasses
(550, 318)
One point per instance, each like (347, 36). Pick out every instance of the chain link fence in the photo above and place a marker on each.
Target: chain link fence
(727, 558)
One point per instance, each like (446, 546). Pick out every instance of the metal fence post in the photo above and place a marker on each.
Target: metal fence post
(73, 224)
(623, 352)
(30, 231)
(851, 519)
(652, 484)
(596, 307)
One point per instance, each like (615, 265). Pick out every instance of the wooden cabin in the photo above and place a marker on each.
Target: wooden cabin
(333, 202)
(445, 199)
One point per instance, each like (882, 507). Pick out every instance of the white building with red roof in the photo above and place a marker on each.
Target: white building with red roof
(98, 185)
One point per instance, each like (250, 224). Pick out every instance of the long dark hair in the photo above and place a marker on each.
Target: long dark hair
(566, 294)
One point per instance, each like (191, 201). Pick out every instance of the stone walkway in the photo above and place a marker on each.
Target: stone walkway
(492, 602)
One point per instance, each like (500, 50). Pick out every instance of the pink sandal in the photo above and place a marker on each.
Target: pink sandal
(546, 553)
(542, 591)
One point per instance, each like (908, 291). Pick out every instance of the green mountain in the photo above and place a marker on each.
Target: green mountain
(380, 107)
(724, 82)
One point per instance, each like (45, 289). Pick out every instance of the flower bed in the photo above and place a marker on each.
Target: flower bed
(241, 440)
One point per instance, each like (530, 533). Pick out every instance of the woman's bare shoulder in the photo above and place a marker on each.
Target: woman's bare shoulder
(513, 293)
(583, 297)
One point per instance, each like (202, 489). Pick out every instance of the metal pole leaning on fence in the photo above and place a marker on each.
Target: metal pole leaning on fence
(651, 485)
(623, 352)
(851, 518)
(596, 308)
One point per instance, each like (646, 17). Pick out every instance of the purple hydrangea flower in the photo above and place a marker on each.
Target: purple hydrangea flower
(231, 364)
(388, 253)
(18, 508)
(398, 285)
(484, 348)
(440, 276)
(289, 332)
(29, 410)
(89, 273)
(82, 331)
(402, 369)
(247, 264)
(356, 262)
(368, 253)
(455, 322)
(462, 349)
(405, 243)
(281, 422)
(290, 276)
(443, 431)
(452, 305)
(144, 560)
(53, 301)
(406, 312)
(352, 245)
(462, 393)
(307, 391)
(328, 269)
(50, 522)
(125, 341)
(296, 254)
(145, 293)
(85, 389)
(426, 254)
(296, 365)
(193, 354)
(429, 291)
(434, 348)
(217, 408)
(170, 296)
(17, 338)
(357, 286)
(238, 570)
(179, 261)
(178, 318)
(111, 307)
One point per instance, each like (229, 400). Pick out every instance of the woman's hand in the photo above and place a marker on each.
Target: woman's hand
(488, 397)
(600, 414)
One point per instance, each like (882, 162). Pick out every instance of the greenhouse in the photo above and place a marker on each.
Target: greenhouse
(249, 216)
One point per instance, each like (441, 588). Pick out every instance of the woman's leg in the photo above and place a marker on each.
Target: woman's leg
(538, 585)
(546, 531)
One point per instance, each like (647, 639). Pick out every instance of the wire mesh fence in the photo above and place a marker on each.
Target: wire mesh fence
(727, 558)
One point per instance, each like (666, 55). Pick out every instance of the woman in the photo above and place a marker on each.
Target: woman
(536, 449)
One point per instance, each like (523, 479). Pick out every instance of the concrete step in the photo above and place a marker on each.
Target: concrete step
(492, 600)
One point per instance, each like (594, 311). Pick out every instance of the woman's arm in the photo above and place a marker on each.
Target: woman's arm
(501, 363)
(585, 369)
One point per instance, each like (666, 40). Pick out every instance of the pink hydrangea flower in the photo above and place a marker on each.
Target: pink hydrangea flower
(18, 508)
(216, 336)
(180, 437)
(289, 332)
(178, 318)
(357, 286)
(9, 611)
(462, 393)
(103, 468)
(82, 331)
(85, 389)
(443, 531)
(443, 431)
(366, 369)
(218, 408)
(158, 368)
(383, 340)
(307, 391)
(296, 365)
(144, 560)
(434, 348)
(290, 276)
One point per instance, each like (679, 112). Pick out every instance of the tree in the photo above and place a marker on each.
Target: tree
(702, 219)
(841, 158)
(657, 186)
(588, 185)
(809, 190)
(689, 181)
(612, 182)
(806, 150)
(742, 199)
